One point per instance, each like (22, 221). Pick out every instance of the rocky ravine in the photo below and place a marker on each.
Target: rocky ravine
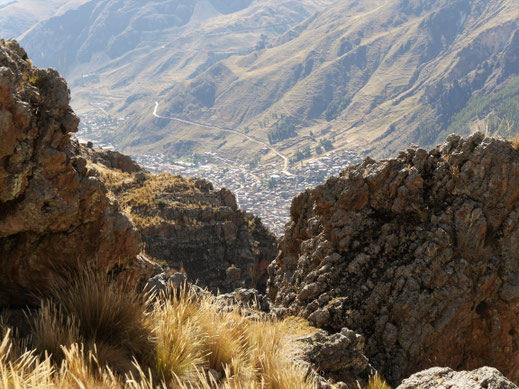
(54, 214)
(187, 224)
(419, 254)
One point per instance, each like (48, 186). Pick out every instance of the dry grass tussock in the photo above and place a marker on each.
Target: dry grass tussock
(494, 126)
(97, 334)
(377, 382)
(144, 200)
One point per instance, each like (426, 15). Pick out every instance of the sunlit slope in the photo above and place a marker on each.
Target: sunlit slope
(376, 75)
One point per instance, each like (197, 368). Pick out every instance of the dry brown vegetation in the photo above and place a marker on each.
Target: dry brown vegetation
(377, 382)
(144, 198)
(96, 334)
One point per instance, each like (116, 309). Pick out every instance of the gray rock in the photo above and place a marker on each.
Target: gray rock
(214, 375)
(320, 317)
(445, 378)
(247, 298)
(338, 357)
(178, 279)
(157, 283)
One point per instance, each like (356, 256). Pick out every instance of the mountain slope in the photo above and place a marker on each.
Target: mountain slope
(373, 75)
(113, 56)
(106, 35)
(379, 73)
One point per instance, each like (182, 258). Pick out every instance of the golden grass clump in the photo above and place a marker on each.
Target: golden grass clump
(377, 382)
(178, 350)
(99, 314)
(96, 334)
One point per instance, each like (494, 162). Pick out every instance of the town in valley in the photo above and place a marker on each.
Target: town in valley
(263, 189)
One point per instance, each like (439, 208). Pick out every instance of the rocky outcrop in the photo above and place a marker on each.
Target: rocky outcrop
(339, 358)
(443, 378)
(419, 254)
(110, 159)
(247, 298)
(190, 226)
(54, 214)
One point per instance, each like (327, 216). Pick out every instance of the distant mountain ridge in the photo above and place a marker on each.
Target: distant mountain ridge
(110, 29)
(373, 75)
(379, 75)
(19, 16)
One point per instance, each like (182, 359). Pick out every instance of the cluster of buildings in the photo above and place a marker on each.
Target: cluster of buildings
(265, 190)
(97, 127)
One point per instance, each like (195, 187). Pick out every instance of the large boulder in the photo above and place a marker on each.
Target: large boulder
(445, 378)
(419, 254)
(55, 216)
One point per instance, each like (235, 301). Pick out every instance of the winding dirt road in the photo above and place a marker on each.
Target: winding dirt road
(286, 161)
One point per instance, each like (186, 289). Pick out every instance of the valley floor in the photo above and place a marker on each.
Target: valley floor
(263, 190)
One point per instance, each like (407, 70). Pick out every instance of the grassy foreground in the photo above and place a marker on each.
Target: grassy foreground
(97, 334)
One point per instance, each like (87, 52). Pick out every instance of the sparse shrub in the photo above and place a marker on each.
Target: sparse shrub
(283, 129)
(326, 144)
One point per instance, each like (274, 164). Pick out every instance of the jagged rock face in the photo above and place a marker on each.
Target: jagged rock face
(419, 254)
(54, 214)
(190, 226)
(443, 378)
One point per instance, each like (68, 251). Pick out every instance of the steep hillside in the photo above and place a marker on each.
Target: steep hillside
(119, 62)
(376, 74)
(187, 224)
